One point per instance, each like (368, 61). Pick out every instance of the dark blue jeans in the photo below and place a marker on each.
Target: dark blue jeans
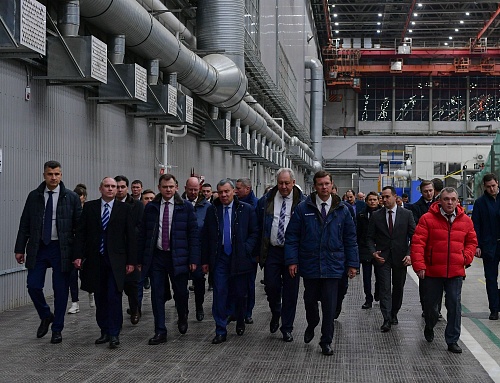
(49, 256)
(491, 276)
(434, 288)
(325, 291)
(279, 285)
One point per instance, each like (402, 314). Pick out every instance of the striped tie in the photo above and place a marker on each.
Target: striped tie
(281, 224)
(105, 221)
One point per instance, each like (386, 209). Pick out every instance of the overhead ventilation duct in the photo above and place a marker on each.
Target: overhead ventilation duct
(22, 28)
(316, 68)
(216, 79)
(168, 19)
(116, 49)
(68, 20)
(220, 28)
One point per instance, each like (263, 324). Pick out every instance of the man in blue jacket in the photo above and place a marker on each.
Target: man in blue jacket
(485, 217)
(320, 242)
(229, 238)
(168, 246)
(274, 210)
(46, 233)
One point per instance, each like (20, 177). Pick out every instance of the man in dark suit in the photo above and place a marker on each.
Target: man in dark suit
(485, 217)
(168, 248)
(46, 233)
(131, 280)
(229, 237)
(389, 231)
(105, 252)
(356, 204)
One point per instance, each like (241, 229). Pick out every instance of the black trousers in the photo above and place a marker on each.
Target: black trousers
(324, 290)
(391, 301)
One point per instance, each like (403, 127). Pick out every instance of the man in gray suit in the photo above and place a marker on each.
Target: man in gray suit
(389, 233)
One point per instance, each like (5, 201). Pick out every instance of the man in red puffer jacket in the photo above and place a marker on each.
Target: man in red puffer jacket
(444, 243)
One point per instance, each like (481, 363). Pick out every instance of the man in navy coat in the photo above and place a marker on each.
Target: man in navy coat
(320, 242)
(168, 246)
(229, 237)
(485, 216)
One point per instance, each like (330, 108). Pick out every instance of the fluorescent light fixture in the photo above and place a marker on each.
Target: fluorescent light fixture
(461, 21)
(378, 30)
(450, 37)
(410, 30)
(415, 14)
(379, 15)
(456, 29)
(445, 43)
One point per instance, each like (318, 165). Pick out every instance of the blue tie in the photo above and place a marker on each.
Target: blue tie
(323, 211)
(281, 223)
(105, 220)
(227, 232)
(47, 219)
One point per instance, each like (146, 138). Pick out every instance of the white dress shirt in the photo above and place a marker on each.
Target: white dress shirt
(319, 203)
(394, 209)
(230, 212)
(170, 215)
(278, 201)
(55, 198)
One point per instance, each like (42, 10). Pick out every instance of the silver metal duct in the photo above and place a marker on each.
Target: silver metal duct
(216, 79)
(168, 19)
(68, 20)
(153, 71)
(220, 27)
(316, 68)
(116, 49)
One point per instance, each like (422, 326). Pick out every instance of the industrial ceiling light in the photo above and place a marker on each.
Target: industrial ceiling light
(467, 13)
(450, 37)
(456, 29)
(461, 21)
(415, 14)
(335, 15)
(379, 15)
(410, 30)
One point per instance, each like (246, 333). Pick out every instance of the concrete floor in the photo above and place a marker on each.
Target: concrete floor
(362, 352)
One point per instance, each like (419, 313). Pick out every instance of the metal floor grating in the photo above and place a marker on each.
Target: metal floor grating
(362, 352)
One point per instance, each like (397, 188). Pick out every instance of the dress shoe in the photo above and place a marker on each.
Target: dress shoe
(386, 326)
(43, 329)
(287, 337)
(440, 316)
(493, 315)
(428, 334)
(114, 341)
(394, 320)
(326, 349)
(56, 337)
(182, 325)
(157, 339)
(200, 315)
(248, 320)
(366, 305)
(262, 282)
(135, 317)
(147, 283)
(75, 308)
(308, 335)
(454, 348)
(103, 339)
(210, 288)
(240, 328)
(275, 323)
(191, 288)
(219, 339)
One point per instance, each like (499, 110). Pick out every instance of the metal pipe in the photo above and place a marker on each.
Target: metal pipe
(116, 49)
(171, 22)
(68, 20)
(316, 68)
